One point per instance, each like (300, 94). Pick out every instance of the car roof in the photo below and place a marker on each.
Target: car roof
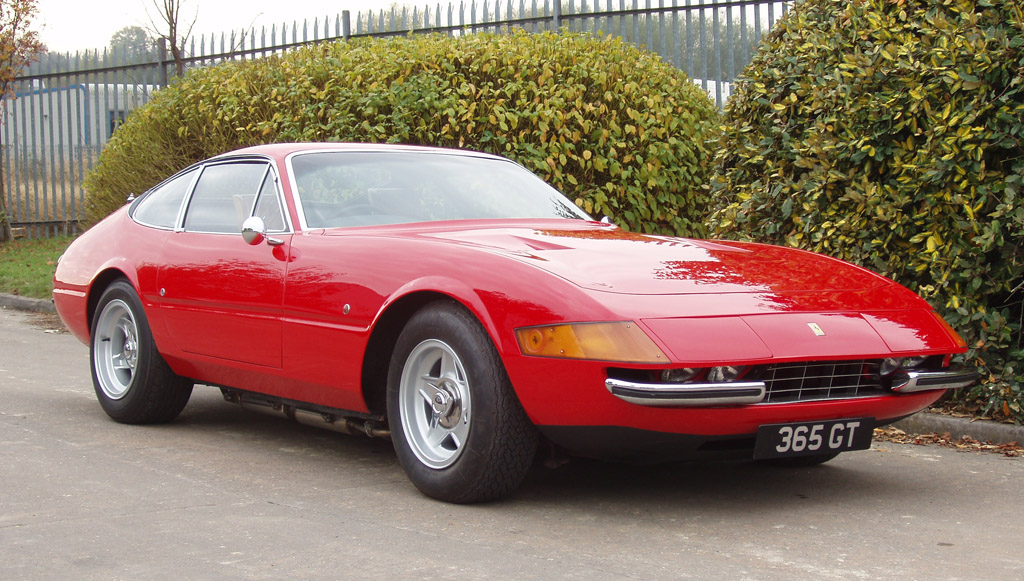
(279, 150)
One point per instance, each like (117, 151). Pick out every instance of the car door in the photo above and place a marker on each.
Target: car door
(221, 297)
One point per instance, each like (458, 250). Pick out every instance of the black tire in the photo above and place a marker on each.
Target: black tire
(132, 381)
(800, 461)
(470, 441)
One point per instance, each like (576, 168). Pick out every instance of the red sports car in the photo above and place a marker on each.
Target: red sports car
(454, 302)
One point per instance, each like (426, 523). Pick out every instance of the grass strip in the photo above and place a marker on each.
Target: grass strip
(26, 266)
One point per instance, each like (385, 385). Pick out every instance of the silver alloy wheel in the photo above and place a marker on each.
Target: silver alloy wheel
(434, 403)
(116, 351)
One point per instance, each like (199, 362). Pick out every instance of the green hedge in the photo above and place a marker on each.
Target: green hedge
(618, 130)
(891, 134)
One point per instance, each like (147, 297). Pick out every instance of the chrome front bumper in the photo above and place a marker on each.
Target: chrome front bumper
(687, 394)
(753, 392)
(913, 381)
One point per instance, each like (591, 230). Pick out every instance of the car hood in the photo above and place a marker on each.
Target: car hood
(779, 303)
(605, 258)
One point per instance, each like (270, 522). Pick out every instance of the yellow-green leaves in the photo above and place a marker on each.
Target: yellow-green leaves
(601, 120)
(892, 135)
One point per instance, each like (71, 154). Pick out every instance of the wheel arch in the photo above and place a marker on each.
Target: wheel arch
(99, 284)
(133, 382)
(384, 336)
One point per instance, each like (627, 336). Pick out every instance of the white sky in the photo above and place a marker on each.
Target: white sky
(76, 25)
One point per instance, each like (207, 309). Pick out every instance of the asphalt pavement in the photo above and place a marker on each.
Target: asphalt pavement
(224, 493)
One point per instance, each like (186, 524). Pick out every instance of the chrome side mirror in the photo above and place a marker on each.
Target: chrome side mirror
(254, 230)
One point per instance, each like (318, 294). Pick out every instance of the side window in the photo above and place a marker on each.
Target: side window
(223, 197)
(160, 206)
(268, 206)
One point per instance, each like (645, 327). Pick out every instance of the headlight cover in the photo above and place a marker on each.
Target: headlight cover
(621, 341)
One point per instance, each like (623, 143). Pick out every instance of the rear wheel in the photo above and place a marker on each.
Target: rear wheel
(133, 383)
(458, 428)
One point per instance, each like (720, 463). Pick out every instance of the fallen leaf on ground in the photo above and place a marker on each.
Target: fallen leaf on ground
(964, 443)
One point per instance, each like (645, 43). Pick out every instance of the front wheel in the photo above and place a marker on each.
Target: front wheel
(133, 383)
(458, 428)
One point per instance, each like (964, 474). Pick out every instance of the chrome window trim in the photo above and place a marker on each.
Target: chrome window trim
(181, 205)
(378, 149)
(281, 202)
(202, 166)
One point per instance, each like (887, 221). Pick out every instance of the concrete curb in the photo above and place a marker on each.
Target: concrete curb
(922, 423)
(26, 304)
(981, 430)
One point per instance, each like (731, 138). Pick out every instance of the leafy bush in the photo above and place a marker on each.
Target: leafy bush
(891, 134)
(618, 130)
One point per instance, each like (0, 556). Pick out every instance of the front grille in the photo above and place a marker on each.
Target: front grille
(792, 382)
(818, 380)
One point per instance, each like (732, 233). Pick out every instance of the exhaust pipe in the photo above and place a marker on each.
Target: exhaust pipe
(319, 419)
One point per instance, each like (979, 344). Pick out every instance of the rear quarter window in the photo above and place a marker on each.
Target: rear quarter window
(162, 205)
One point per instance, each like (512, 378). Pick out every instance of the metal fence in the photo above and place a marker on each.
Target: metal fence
(67, 107)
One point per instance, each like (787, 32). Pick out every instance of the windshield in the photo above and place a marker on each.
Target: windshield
(337, 189)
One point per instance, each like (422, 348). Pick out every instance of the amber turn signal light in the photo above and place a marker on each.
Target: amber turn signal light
(622, 341)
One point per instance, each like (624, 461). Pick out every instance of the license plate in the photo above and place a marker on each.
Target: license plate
(812, 438)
